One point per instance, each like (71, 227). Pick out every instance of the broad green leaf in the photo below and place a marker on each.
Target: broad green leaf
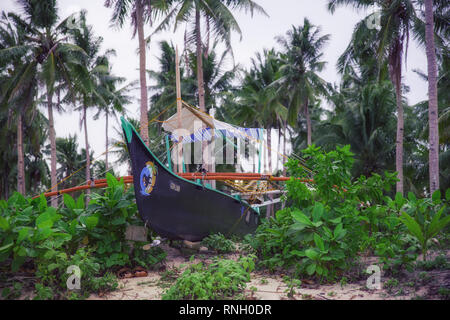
(438, 224)
(298, 253)
(336, 220)
(301, 217)
(23, 234)
(68, 201)
(319, 242)
(447, 194)
(411, 196)
(91, 222)
(6, 247)
(111, 180)
(312, 254)
(4, 224)
(339, 232)
(399, 200)
(43, 233)
(311, 269)
(317, 211)
(319, 270)
(413, 227)
(436, 197)
(73, 226)
(42, 203)
(80, 202)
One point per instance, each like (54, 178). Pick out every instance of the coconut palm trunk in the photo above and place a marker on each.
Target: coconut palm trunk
(106, 134)
(20, 157)
(399, 139)
(88, 158)
(395, 72)
(432, 98)
(142, 72)
(52, 136)
(308, 124)
(269, 155)
(201, 83)
(284, 147)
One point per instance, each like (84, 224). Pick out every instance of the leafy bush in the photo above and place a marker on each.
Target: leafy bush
(218, 280)
(439, 263)
(148, 258)
(219, 243)
(91, 238)
(423, 219)
(114, 210)
(330, 222)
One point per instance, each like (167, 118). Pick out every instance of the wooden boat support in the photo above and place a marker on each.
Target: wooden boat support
(218, 176)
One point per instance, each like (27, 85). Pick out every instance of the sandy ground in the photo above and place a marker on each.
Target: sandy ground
(268, 286)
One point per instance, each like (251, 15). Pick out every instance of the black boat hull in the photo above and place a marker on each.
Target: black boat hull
(177, 208)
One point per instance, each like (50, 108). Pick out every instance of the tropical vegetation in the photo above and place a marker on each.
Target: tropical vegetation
(381, 165)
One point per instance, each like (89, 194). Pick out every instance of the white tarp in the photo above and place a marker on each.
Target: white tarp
(198, 127)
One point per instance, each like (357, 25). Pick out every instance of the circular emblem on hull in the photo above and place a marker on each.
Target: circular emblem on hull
(148, 178)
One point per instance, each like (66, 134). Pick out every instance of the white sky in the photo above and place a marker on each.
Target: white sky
(257, 33)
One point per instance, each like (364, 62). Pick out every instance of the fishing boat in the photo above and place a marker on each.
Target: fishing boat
(178, 208)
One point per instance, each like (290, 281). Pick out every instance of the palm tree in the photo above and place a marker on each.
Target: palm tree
(432, 97)
(219, 18)
(69, 160)
(87, 90)
(259, 104)
(365, 119)
(18, 95)
(422, 132)
(217, 80)
(398, 19)
(51, 54)
(164, 90)
(301, 62)
(140, 12)
(115, 99)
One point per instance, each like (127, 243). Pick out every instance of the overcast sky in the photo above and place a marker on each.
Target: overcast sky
(257, 33)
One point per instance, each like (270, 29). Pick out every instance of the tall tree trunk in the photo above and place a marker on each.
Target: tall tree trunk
(269, 151)
(308, 123)
(208, 35)
(20, 158)
(52, 136)
(106, 153)
(284, 158)
(279, 151)
(142, 72)
(399, 140)
(395, 73)
(432, 98)
(88, 158)
(284, 147)
(200, 83)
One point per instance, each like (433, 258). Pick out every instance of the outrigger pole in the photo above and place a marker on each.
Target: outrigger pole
(217, 176)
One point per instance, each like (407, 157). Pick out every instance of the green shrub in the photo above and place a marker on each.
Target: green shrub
(219, 243)
(330, 222)
(91, 238)
(425, 218)
(218, 280)
(148, 258)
